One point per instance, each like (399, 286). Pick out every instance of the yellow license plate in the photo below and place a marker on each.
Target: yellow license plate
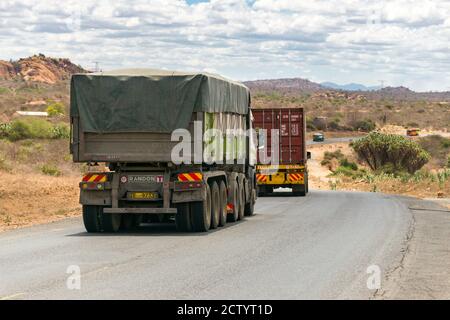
(144, 195)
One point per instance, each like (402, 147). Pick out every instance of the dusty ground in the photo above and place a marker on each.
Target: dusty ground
(318, 174)
(34, 198)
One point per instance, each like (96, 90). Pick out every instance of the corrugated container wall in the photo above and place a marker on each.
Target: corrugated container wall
(291, 125)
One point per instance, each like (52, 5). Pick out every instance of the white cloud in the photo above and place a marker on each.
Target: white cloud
(339, 40)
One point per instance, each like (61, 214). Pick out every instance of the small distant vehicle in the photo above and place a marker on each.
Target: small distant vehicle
(413, 132)
(318, 137)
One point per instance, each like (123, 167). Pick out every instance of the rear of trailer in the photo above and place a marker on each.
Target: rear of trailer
(282, 156)
(150, 128)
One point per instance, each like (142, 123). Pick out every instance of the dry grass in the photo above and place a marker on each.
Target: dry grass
(28, 199)
(39, 183)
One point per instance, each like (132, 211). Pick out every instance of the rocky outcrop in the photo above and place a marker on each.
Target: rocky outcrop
(7, 70)
(39, 68)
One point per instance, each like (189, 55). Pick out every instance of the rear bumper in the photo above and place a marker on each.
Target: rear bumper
(140, 210)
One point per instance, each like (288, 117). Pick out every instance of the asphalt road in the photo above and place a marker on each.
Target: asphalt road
(332, 140)
(293, 248)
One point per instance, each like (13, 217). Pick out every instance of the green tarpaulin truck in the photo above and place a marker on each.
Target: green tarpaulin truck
(151, 128)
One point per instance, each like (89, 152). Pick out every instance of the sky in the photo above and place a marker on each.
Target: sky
(399, 42)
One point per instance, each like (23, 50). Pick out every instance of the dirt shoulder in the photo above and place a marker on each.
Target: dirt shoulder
(424, 272)
(29, 199)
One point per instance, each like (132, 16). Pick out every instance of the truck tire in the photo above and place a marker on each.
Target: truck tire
(241, 200)
(223, 204)
(92, 218)
(111, 222)
(201, 213)
(299, 190)
(306, 182)
(234, 189)
(215, 205)
(183, 218)
(250, 207)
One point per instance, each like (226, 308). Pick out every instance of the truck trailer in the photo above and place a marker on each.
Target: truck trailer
(284, 136)
(150, 129)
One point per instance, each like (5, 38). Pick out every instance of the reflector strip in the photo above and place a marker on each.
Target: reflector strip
(261, 178)
(294, 177)
(189, 177)
(95, 178)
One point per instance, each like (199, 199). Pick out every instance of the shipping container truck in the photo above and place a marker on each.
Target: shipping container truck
(285, 134)
(134, 121)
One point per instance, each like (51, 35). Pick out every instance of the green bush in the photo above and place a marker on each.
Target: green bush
(310, 124)
(5, 128)
(348, 164)
(366, 125)
(448, 162)
(34, 128)
(55, 109)
(30, 128)
(60, 131)
(50, 170)
(328, 156)
(390, 153)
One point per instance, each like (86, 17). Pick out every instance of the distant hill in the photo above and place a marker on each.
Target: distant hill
(299, 86)
(349, 87)
(294, 85)
(39, 68)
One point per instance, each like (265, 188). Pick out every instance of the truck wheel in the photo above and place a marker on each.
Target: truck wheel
(215, 205)
(111, 222)
(299, 190)
(223, 204)
(183, 218)
(233, 217)
(91, 218)
(201, 213)
(250, 207)
(241, 200)
(306, 183)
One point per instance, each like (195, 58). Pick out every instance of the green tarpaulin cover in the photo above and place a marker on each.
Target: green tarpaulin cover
(151, 100)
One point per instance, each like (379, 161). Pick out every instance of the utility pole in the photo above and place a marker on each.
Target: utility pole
(96, 68)
(382, 83)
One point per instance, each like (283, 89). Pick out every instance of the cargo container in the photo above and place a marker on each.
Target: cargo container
(290, 169)
(134, 122)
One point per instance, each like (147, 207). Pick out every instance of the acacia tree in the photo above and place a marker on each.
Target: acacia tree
(390, 152)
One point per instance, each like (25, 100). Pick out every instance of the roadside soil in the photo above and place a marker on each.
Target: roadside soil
(28, 199)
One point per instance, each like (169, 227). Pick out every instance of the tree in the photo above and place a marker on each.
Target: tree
(390, 153)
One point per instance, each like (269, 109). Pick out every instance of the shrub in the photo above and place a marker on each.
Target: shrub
(60, 131)
(34, 128)
(310, 124)
(438, 147)
(5, 128)
(328, 156)
(448, 162)
(390, 152)
(50, 170)
(348, 164)
(366, 125)
(29, 128)
(55, 109)
(334, 124)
